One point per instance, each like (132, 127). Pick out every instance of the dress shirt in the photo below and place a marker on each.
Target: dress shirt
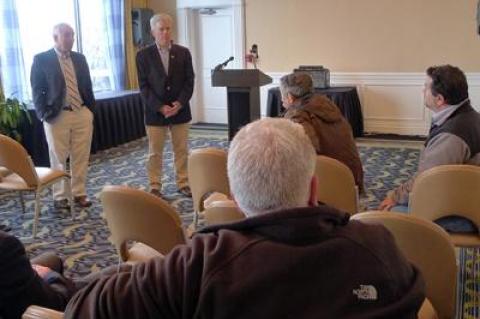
(164, 55)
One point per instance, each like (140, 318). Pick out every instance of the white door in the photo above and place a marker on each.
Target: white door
(215, 44)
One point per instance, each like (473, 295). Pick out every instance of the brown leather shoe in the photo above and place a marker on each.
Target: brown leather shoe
(82, 201)
(156, 192)
(61, 204)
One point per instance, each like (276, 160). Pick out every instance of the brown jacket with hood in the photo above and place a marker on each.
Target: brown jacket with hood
(329, 132)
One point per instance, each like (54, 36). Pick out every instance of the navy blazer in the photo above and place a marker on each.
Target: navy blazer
(48, 83)
(157, 88)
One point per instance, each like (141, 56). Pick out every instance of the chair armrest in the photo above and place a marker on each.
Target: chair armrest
(37, 312)
(140, 252)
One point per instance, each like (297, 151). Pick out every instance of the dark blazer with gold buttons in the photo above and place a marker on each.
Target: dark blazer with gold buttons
(159, 88)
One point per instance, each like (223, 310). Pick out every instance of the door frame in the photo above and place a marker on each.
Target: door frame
(186, 32)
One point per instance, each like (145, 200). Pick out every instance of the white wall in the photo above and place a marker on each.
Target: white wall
(364, 35)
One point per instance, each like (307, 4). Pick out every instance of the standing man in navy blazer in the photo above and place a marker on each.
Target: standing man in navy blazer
(64, 101)
(165, 76)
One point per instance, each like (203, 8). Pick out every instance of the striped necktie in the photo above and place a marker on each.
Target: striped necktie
(73, 96)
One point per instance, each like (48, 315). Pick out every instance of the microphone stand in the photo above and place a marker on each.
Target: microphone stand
(254, 55)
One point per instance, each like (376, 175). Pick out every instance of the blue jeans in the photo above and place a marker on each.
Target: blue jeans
(400, 209)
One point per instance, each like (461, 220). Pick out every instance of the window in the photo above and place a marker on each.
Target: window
(94, 40)
(36, 31)
(89, 18)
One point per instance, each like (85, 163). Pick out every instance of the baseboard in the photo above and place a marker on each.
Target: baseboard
(210, 126)
(394, 137)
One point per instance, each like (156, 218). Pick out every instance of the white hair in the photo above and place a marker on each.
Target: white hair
(298, 84)
(160, 17)
(270, 166)
(58, 28)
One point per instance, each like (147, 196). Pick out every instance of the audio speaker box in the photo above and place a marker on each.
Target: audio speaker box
(141, 26)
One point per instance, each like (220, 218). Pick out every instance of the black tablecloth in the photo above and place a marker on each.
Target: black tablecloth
(118, 118)
(346, 98)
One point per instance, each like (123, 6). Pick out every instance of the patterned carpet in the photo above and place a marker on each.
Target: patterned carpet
(84, 242)
(468, 292)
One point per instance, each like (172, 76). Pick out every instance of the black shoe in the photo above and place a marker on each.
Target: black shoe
(5, 228)
(61, 204)
(185, 191)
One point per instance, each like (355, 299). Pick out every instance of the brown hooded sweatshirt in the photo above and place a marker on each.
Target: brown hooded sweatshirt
(330, 133)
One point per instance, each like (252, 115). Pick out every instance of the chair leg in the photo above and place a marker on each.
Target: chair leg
(22, 202)
(357, 200)
(70, 197)
(70, 202)
(37, 213)
(119, 263)
(195, 219)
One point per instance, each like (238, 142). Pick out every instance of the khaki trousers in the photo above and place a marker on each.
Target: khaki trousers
(70, 135)
(156, 142)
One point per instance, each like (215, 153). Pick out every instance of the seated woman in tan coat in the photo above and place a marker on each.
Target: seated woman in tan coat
(330, 133)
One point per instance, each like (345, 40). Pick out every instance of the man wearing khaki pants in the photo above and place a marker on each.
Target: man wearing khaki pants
(166, 78)
(64, 102)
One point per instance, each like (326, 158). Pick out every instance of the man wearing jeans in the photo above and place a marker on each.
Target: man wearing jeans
(166, 78)
(454, 137)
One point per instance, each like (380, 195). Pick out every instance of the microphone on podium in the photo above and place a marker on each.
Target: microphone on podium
(224, 64)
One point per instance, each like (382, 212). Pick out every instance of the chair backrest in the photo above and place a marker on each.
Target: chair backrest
(136, 215)
(221, 212)
(15, 158)
(447, 190)
(207, 172)
(428, 247)
(336, 185)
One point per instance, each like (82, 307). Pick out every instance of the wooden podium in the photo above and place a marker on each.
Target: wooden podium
(243, 95)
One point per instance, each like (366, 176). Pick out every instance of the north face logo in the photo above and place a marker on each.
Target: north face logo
(366, 292)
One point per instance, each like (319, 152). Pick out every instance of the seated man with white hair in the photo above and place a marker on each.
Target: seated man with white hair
(288, 258)
(328, 130)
